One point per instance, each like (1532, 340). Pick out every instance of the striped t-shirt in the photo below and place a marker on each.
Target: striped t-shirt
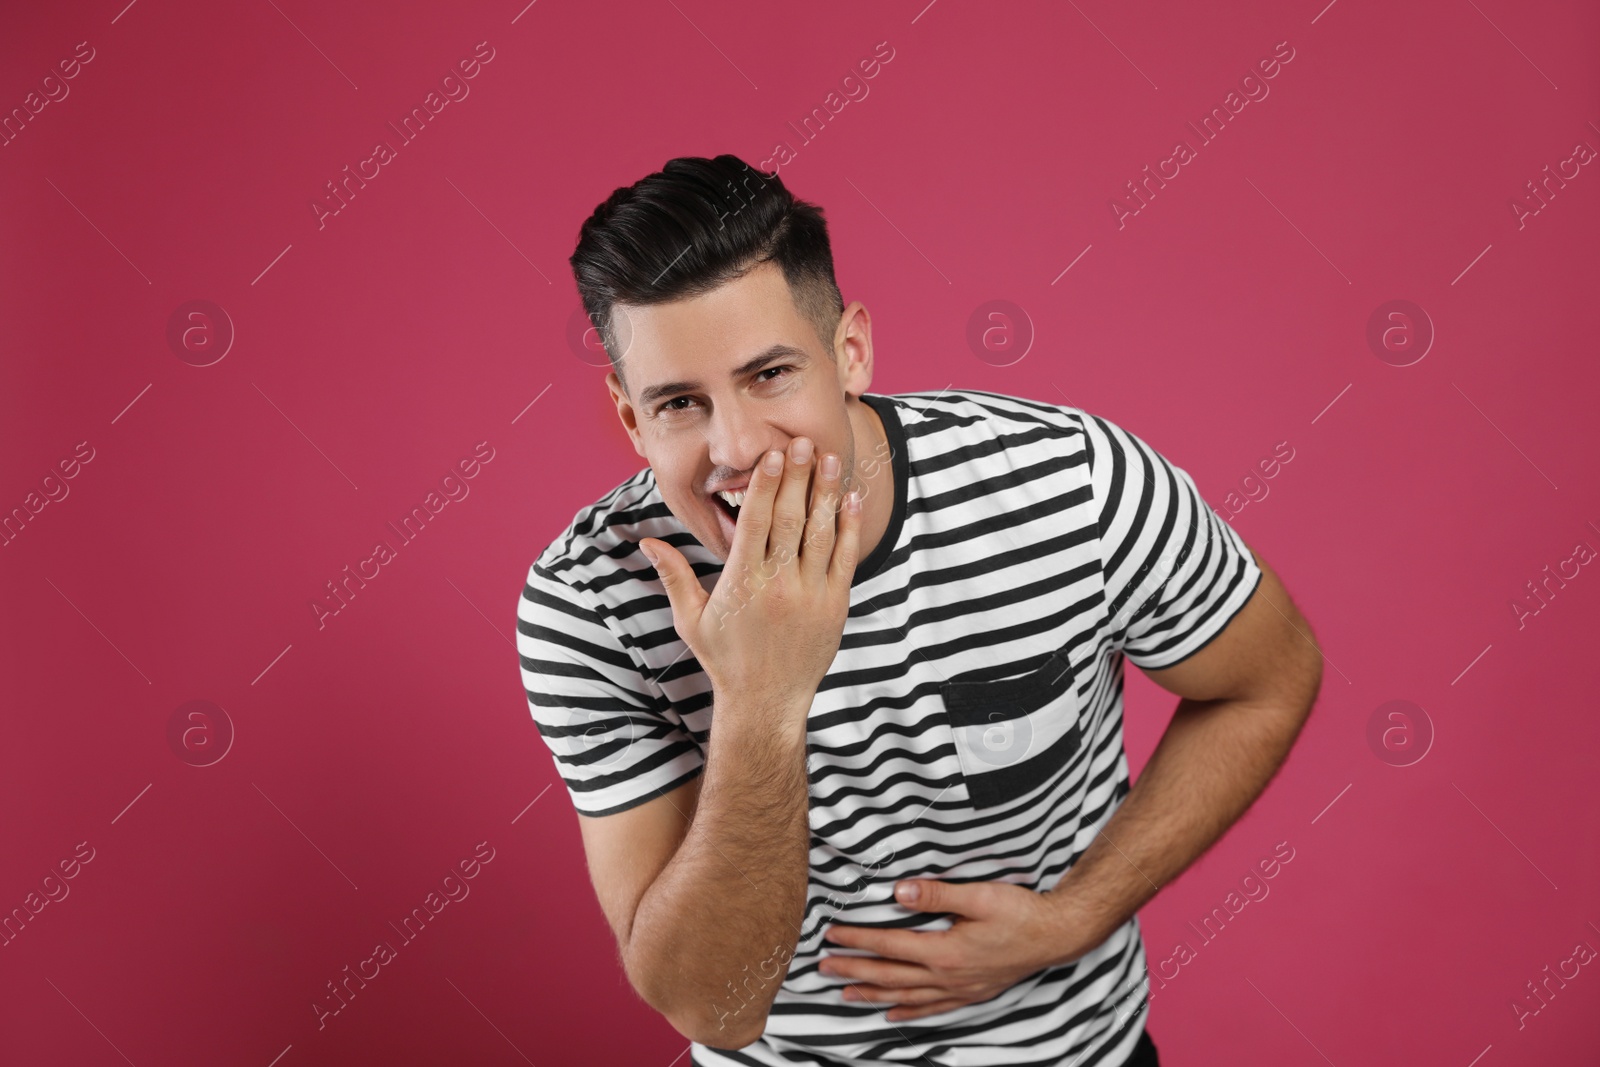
(970, 727)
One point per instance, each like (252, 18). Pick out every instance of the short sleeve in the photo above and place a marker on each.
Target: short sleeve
(1175, 572)
(615, 739)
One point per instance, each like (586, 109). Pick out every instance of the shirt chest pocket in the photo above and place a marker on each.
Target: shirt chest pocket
(1014, 734)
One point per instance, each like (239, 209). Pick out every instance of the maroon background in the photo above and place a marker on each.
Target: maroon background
(372, 753)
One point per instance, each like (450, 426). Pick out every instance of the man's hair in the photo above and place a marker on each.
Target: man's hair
(694, 225)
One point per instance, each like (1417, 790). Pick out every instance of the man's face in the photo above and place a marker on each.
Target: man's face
(716, 381)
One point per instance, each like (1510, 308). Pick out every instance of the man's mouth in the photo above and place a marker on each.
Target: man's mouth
(730, 502)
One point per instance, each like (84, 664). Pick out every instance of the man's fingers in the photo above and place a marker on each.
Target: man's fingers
(684, 592)
(899, 1014)
(919, 947)
(877, 972)
(847, 548)
(789, 509)
(915, 995)
(825, 500)
(755, 518)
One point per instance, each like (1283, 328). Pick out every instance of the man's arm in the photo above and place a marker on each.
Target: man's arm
(714, 933)
(709, 941)
(1246, 695)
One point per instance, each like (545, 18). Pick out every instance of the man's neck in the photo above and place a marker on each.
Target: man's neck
(874, 475)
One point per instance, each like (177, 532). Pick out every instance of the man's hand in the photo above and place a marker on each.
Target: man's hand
(771, 627)
(1001, 933)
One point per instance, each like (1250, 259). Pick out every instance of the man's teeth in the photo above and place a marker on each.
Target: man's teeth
(735, 498)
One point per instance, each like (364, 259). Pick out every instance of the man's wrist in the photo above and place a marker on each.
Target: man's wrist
(1077, 922)
(763, 712)
(764, 700)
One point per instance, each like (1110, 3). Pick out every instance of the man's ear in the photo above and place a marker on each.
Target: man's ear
(625, 412)
(852, 349)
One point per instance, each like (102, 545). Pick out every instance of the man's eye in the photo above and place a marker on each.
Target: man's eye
(669, 405)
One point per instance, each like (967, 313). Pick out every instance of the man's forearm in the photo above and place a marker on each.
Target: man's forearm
(713, 935)
(1213, 761)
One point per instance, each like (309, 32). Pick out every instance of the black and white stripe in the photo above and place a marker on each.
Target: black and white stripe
(970, 727)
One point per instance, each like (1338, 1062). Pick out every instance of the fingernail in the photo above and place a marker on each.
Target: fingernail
(774, 463)
(830, 466)
(649, 555)
(853, 501)
(909, 892)
(802, 450)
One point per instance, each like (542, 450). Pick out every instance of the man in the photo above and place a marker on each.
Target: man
(851, 779)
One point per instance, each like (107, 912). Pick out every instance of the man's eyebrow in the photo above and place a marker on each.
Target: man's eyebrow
(749, 366)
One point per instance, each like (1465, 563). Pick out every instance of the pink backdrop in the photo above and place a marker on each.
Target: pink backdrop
(187, 481)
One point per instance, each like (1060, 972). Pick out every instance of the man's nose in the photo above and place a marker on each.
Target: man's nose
(738, 440)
